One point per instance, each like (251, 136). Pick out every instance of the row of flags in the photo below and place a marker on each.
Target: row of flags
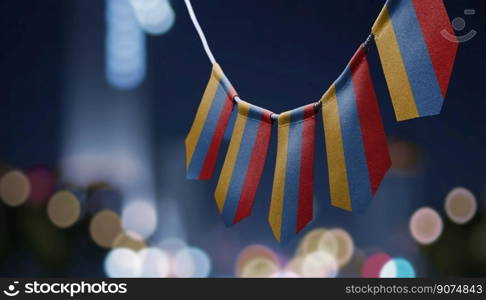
(417, 62)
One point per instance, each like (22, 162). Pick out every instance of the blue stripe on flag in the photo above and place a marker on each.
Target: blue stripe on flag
(239, 172)
(354, 154)
(292, 175)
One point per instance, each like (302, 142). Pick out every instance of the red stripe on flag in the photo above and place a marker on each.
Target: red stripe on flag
(305, 205)
(433, 18)
(212, 155)
(255, 168)
(374, 139)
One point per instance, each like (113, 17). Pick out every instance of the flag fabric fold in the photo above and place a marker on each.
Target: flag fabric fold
(244, 162)
(356, 147)
(204, 139)
(291, 207)
(417, 60)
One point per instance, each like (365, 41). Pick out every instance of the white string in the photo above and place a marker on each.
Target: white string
(199, 31)
(210, 55)
(205, 43)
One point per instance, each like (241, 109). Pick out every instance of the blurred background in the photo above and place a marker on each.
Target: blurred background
(96, 98)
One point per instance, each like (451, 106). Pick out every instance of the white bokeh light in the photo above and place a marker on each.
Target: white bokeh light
(125, 46)
(122, 263)
(319, 264)
(154, 16)
(397, 268)
(389, 270)
(285, 274)
(155, 263)
(141, 217)
(426, 225)
(191, 262)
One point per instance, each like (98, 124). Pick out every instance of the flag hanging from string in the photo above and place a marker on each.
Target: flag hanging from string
(356, 147)
(204, 139)
(416, 59)
(417, 63)
(243, 165)
(291, 207)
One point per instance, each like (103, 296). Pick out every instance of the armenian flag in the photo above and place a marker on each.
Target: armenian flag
(416, 59)
(243, 165)
(204, 139)
(291, 207)
(357, 152)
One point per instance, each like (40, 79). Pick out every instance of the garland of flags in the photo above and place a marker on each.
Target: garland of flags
(417, 62)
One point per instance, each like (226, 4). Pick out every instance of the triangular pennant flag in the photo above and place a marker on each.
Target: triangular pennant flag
(291, 208)
(416, 59)
(357, 151)
(243, 165)
(207, 131)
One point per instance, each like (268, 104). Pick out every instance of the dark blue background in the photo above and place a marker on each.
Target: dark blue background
(279, 54)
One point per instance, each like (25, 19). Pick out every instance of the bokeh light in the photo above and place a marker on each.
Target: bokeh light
(154, 16)
(426, 225)
(105, 227)
(42, 184)
(129, 240)
(14, 188)
(285, 274)
(310, 242)
(321, 253)
(191, 262)
(373, 265)
(140, 217)
(319, 264)
(345, 246)
(251, 252)
(122, 263)
(64, 209)
(295, 265)
(397, 268)
(84, 168)
(259, 267)
(336, 242)
(155, 263)
(460, 205)
(328, 243)
(389, 270)
(125, 46)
